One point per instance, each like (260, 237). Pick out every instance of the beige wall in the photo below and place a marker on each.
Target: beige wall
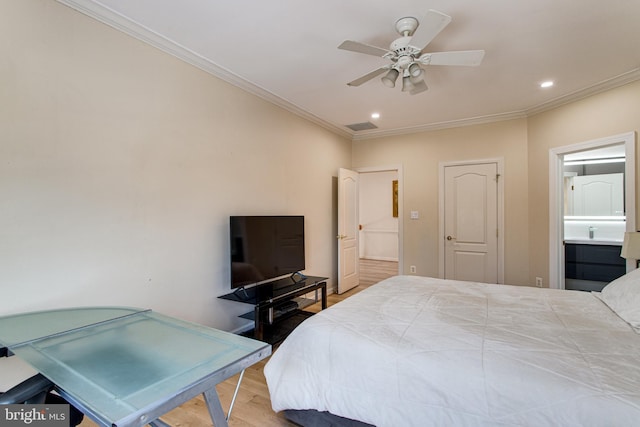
(610, 113)
(524, 144)
(420, 155)
(120, 166)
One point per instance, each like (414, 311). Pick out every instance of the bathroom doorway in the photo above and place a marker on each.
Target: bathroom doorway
(594, 217)
(582, 226)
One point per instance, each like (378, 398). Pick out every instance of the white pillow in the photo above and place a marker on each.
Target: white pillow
(623, 296)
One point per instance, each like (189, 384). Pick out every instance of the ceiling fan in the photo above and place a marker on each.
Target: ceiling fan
(407, 56)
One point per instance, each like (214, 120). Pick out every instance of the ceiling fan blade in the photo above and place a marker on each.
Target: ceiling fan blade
(470, 58)
(363, 48)
(430, 26)
(368, 76)
(419, 87)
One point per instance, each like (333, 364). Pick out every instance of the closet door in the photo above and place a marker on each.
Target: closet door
(471, 222)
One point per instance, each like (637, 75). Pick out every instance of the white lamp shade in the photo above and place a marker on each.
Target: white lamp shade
(407, 85)
(390, 78)
(415, 70)
(631, 246)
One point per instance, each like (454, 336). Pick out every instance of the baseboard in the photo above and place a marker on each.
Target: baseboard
(377, 258)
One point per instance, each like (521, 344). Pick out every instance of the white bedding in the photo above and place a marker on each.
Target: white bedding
(416, 351)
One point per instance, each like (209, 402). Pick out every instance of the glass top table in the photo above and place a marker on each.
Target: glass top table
(126, 366)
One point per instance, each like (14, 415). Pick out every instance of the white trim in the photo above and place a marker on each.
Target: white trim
(379, 231)
(372, 134)
(556, 214)
(379, 258)
(134, 29)
(603, 86)
(441, 248)
(138, 31)
(398, 170)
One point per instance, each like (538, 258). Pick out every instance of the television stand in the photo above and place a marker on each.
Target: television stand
(279, 305)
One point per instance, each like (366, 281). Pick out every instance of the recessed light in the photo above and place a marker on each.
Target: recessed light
(375, 115)
(546, 84)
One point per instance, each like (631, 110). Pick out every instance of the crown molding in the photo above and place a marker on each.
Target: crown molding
(441, 125)
(121, 23)
(612, 83)
(603, 86)
(146, 35)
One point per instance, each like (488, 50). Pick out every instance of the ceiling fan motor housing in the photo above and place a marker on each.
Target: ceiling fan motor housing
(406, 26)
(405, 56)
(400, 44)
(404, 61)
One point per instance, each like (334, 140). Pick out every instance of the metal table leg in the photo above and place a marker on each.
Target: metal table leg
(215, 408)
(235, 393)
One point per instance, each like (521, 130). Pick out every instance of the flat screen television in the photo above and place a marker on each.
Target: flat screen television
(265, 248)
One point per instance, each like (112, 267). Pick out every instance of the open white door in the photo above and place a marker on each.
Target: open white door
(348, 256)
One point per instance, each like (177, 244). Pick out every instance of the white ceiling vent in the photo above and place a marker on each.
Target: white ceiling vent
(362, 126)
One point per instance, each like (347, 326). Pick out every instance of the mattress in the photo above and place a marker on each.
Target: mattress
(417, 351)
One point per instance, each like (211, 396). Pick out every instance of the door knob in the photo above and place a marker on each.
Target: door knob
(451, 238)
(340, 236)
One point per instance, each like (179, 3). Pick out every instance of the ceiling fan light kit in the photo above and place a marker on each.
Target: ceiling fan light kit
(389, 80)
(415, 70)
(407, 84)
(406, 53)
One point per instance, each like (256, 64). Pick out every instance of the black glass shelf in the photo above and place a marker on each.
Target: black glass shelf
(272, 290)
(278, 306)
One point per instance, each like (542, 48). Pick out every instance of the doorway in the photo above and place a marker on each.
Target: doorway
(378, 225)
(562, 203)
(389, 194)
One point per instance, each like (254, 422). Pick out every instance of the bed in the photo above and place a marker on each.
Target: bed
(418, 351)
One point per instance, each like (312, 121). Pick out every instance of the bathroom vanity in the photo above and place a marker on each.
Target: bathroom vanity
(591, 264)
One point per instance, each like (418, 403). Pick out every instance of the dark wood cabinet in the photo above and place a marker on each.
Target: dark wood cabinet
(593, 262)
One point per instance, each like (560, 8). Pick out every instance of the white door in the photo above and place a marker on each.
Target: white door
(598, 195)
(348, 253)
(471, 222)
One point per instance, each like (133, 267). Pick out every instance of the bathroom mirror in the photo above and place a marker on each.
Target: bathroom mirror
(594, 183)
(594, 195)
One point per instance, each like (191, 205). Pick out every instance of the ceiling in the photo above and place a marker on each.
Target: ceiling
(285, 51)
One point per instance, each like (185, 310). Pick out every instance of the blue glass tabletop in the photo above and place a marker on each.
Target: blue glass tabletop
(122, 364)
(24, 327)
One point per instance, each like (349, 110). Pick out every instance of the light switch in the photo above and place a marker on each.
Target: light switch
(414, 215)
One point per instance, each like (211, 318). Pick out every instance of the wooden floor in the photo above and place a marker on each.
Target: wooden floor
(372, 271)
(253, 406)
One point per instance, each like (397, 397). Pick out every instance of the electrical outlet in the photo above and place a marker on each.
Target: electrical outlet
(412, 268)
(539, 282)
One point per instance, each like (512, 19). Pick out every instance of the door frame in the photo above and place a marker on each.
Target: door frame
(499, 161)
(556, 193)
(398, 170)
